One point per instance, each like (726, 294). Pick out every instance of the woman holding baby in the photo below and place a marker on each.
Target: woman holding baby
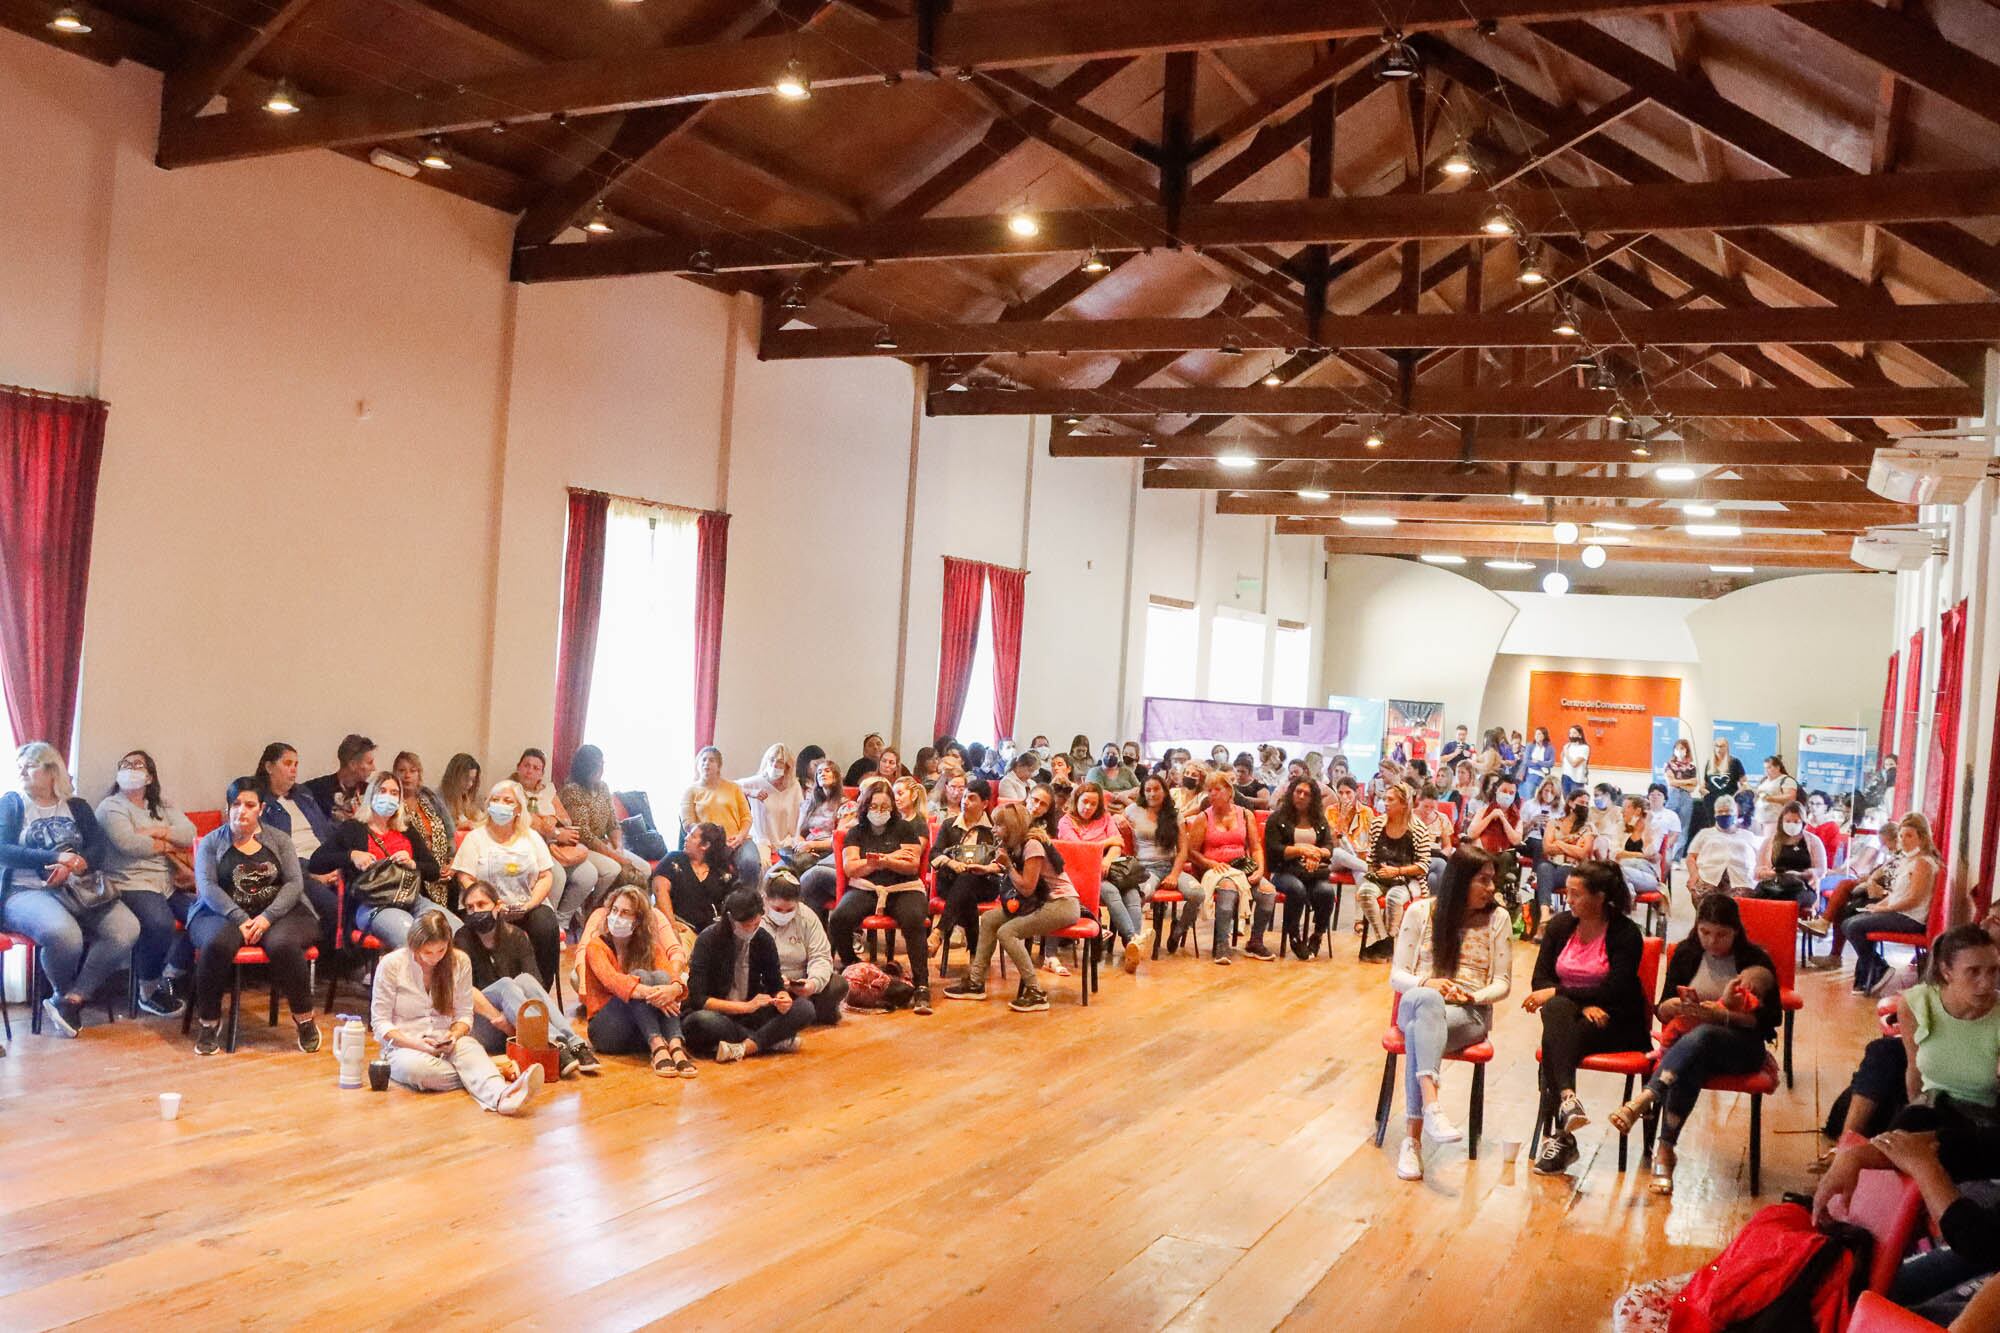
(1721, 1010)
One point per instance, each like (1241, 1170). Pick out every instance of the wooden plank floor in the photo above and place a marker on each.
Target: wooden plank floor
(1193, 1151)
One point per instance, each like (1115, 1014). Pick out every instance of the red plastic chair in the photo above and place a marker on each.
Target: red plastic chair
(1890, 1207)
(7, 941)
(1083, 862)
(879, 929)
(1932, 927)
(1633, 1065)
(1478, 1055)
(346, 938)
(205, 822)
(1757, 1087)
(1878, 1314)
(1773, 926)
(249, 956)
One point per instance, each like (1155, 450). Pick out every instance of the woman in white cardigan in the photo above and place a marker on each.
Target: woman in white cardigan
(1449, 980)
(421, 1010)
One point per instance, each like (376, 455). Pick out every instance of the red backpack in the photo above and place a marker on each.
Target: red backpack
(1778, 1274)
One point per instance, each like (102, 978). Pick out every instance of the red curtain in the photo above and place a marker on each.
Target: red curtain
(1006, 592)
(1906, 744)
(50, 453)
(958, 639)
(576, 646)
(1941, 772)
(1989, 834)
(1885, 736)
(711, 569)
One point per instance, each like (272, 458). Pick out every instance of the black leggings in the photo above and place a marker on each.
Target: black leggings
(216, 941)
(963, 891)
(545, 933)
(910, 908)
(1567, 1036)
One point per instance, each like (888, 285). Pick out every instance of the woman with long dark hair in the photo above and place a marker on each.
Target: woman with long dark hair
(146, 860)
(1453, 963)
(694, 880)
(1158, 838)
(1298, 845)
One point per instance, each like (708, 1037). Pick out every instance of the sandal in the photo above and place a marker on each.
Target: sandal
(1054, 966)
(683, 1066)
(663, 1062)
(1663, 1169)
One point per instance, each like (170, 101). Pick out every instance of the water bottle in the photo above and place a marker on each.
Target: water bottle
(350, 1047)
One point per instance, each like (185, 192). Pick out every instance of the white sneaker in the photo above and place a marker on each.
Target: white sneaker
(1439, 1127)
(1409, 1162)
(728, 1052)
(521, 1091)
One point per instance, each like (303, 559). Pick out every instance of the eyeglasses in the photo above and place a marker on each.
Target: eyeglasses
(132, 766)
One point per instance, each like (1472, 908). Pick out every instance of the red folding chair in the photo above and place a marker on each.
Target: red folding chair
(249, 956)
(1083, 862)
(1889, 1206)
(1633, 1065)
(1921, 942)
(1757, 1087)
(1478, 1055)
(1773, 926)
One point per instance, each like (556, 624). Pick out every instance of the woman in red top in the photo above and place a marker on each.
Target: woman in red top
(379, 831)
(1222, 848)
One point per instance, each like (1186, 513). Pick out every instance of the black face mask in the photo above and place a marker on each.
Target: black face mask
(481, 922)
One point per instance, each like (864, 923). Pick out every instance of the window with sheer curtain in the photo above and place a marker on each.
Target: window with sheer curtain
(975, 720)
(641, 711)
(1291, 664)
(1236, 659)
(1173, 636)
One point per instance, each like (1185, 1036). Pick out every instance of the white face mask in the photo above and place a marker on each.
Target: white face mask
(132, 779)
(1793, 828)
(878, 820)
(779, 918)
(619, 926)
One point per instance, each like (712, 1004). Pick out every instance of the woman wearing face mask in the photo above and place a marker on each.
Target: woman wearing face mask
(428, 822)
(508, 856)
(1297, 843)
(504, 977)
(293, 811)
(51, 848)
(380, 832)
(1575, 762)
(811, 851)
(458, 791)
(249, 892)
(1723, 856)
(881, 856)
(146, 861)
(1566, 843)
(805, 955)
(1791, 861)
(714, 799)
(695, 879)
(632, 983)
(1683, 781)
(576, 868)
(1721, 776)
(421, 1009)
(774, 803)
(967, 868)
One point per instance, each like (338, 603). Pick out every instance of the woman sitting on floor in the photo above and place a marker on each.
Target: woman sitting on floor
(881, 859)
(1587, 991)
(1298, 845)
(1158, 836)
(632, 987)
(1223, 847)
(1399, 857)
(249, 893)
(738, 1005)
(147, 842)
(1791, 861)
(421, 1010)
(503, 977)
(1723, 991)
(384, 903)
(1090, 820)
(1041, 901)
(1453, 964)
(714, 799)
(805, 955)
(513, 861)
(694, 880)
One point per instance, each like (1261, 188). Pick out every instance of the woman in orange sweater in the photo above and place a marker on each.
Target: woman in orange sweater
(631, 996)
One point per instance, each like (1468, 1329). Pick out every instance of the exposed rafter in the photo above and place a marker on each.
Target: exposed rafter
(1450, 400)
(1687, 555)
(1399, 449)
(1448, 515)
(1290, 478)
(191, 85)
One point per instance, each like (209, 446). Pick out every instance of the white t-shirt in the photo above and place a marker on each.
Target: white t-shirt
(1661, 824)
(304, 841)
(1576, 761)
(1713, 852)
(776, 817)
(511, 867)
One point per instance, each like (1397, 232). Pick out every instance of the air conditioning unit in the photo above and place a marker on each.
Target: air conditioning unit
(1894, 548)
(1937, 468)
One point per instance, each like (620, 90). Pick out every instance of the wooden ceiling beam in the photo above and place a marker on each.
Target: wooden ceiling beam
(1137, 151)
(1399, 448)
(1687, 554)
(1538, 536)
(1502, 400)
(1713, 205)
(112, 37)
(1345, 59)
(1909, 49)
(1290, 478)
(1953, 322)
(1444, 515)
(193, 83)
(1010, 37)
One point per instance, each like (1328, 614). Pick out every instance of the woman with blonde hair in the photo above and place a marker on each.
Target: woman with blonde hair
(385, 869)
(714, 799)
(775, 797)
(1223, 848)
(459, 790)
(505, 853)
(421, 1010)
(429, 822)
(1906, 910)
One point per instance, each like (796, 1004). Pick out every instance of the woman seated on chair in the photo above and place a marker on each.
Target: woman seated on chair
(385, 869)
(775, 797)
(295, 812)
(633, 983)
(587, 797)
(249, 894)
(966, 864)
(805, 955)
(421, 1009)
(1453, 964)
(512, 860)
(1537, 814)
(459, 792)
(912, 806)
(1399, 858)
(1587, 991)
(1722, 992)
(1298, 846)
(881, 858)
(1791, 861)
(738, 1005)
(577, 868)
(714, 799)
(52, 850)
(504, 978)
(1224, 850)
(1947, 1283)
(1636, 852)
(1722, 857)
(429, 822)
(1038, 901)
(1090, 820)
(146, 861)
(1157, 834)
(1567, 842)
(1906, 908)
(695, 879)
(810, 853)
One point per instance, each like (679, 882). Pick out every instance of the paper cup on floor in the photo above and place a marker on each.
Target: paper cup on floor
(170, 1106)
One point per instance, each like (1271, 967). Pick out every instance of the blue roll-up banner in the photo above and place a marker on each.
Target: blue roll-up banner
(1666, 730)
(1366, 719)
(1751, 742)
(1831, 759)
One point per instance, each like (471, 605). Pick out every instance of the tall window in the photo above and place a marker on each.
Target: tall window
(975, 720)
(1173, 639)
(641, 711)
(1236, 659)
(1291, 664)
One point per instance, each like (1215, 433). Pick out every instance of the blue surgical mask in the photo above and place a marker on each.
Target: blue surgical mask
(384, 804)
(500, 813)
(1601, 802)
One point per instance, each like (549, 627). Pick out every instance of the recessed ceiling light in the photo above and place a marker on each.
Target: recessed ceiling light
(1732, 569)
(1315, 495)
(1368, 520)
(1674, 473)
(793, 85)
(69, 21)
(1698, 510)
(1511, 566)
(1714, 530)
(1441, 558)
(1023, 224)
(1593, 557)
(1236, 462)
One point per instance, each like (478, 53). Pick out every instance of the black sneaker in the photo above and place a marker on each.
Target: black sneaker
(1031, 1000)
(566, 1061)
(308, 1036)
(921, 1002)
(965, 988)
(586, 1059)
(1259, 952)
(1301, 950)
(1314, 945)
(66, 1018)
(207, 1038)
(1174, 938)
(164, 1002)
(1381, 951)
(1558, 1154)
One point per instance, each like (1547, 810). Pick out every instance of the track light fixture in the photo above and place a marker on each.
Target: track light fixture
(68, 20)
(283, 99)
(599, 221)
(436, 156)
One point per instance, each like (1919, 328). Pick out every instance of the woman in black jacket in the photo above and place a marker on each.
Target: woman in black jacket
(765, 1018)
(1298, 843)
(379, 831)
(1722, 994)
(1587, 990)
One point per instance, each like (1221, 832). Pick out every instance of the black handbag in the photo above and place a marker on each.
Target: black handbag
(1125, 874)
(388, 883)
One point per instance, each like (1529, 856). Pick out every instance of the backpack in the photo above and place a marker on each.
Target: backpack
(1779, 1275)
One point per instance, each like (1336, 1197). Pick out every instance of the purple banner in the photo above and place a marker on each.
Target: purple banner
(1204, 722)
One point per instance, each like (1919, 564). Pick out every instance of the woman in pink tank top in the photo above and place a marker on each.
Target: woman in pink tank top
(1231, 861)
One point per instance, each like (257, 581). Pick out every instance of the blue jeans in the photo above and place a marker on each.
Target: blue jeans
(1682, 804)
(627, 1027)
(161, 948)
(1702, 1054)
(391, 925)
(1303, 892)
(1868, 962)
(508, 994)
(1432, 1027)
(1127, 908)
(80, 951)
(750, 864)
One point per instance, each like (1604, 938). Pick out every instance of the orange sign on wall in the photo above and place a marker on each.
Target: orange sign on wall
(1615, 712)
